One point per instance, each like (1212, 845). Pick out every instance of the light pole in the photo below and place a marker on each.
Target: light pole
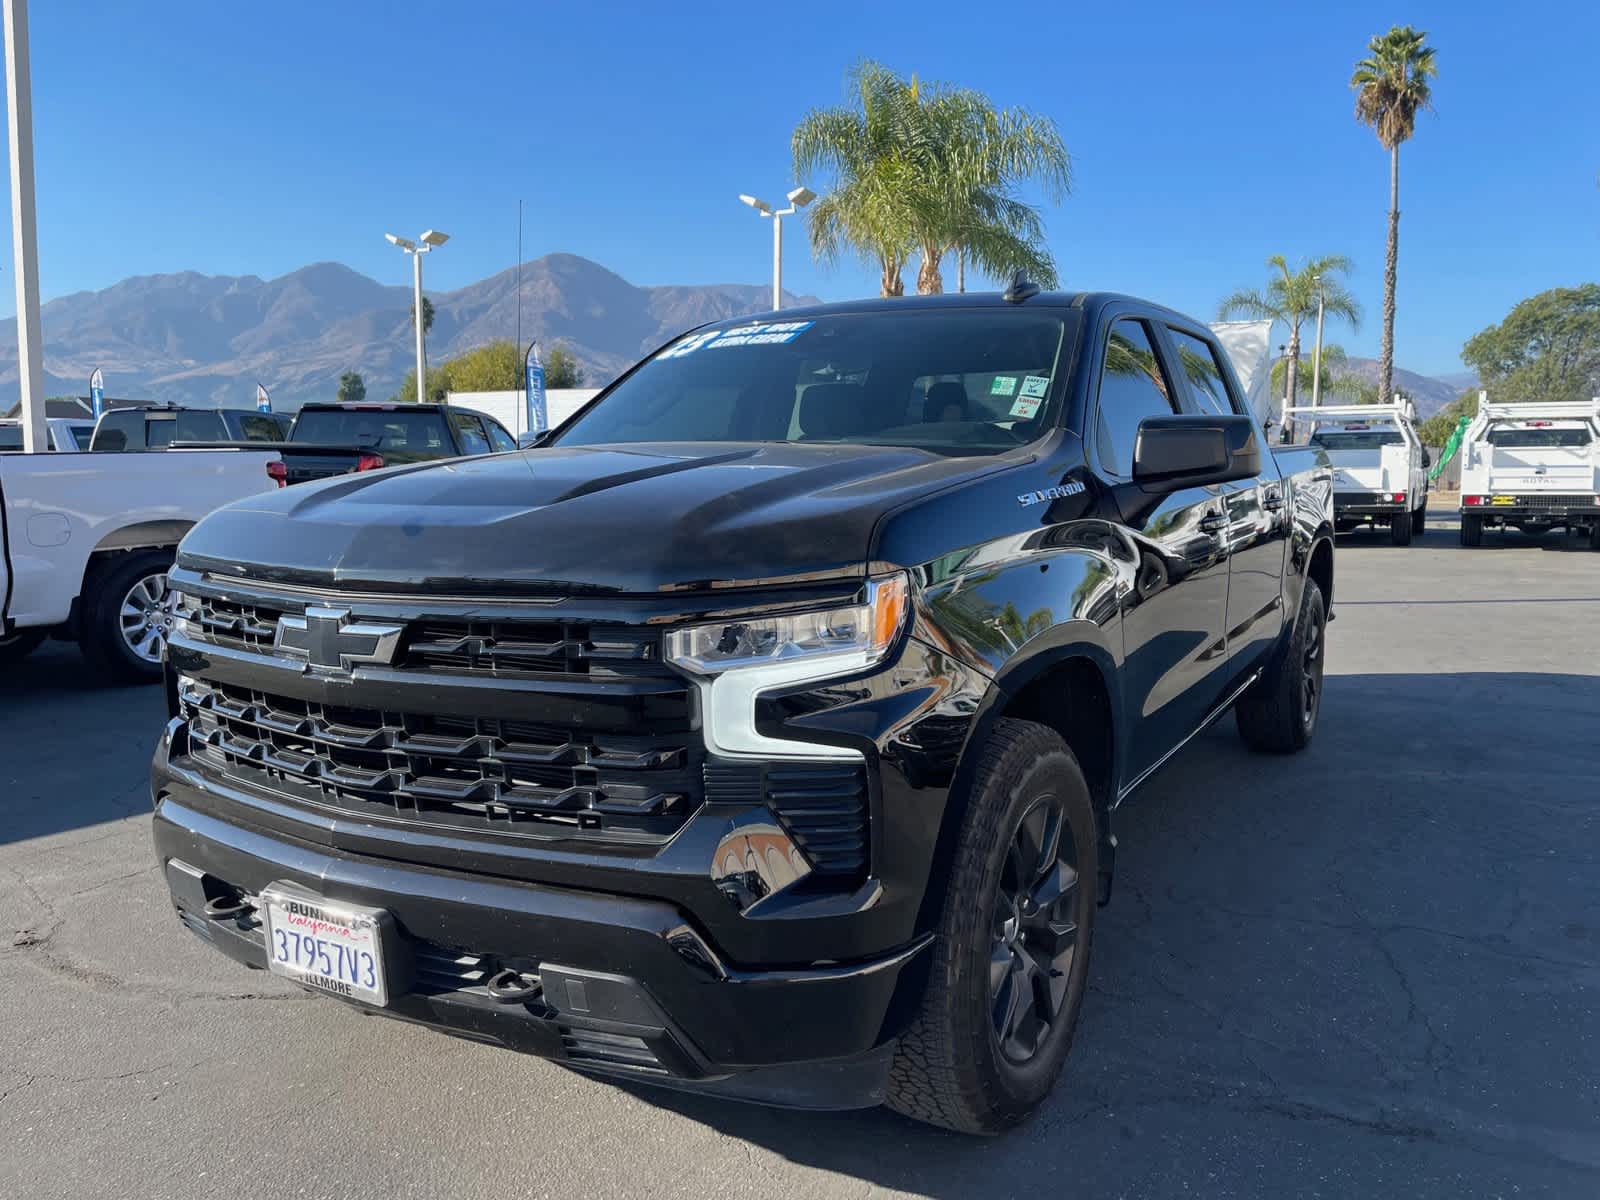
(1316, 355)
(429, 239)
(24, 233)
(798, 199)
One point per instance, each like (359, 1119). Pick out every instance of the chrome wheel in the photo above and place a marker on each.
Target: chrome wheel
(1311, 674)
(1034, 931)
(146, 617)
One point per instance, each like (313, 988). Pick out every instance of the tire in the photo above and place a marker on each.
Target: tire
(982, 1055)
(1400, 529)
(1471, 530)
(133, 581)
(17, 646)
(1278, 714)
(1594, 536)
(1419, 519)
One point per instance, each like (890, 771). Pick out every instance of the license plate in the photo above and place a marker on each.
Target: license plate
(325, 944)
(1502, 499)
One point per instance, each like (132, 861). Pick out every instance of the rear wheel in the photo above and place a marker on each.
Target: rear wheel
(1278, 714)
(17, 646)
(1400, 529)
(1419, 519)
(127, 615)
(1594, 536)
(1012, 953)
(1471, 530)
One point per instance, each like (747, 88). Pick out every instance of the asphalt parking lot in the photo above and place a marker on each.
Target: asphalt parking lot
(1373, 969)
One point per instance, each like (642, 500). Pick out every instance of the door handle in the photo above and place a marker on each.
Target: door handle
(1213, 523)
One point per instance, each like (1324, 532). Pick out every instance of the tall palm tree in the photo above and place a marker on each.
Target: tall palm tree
(1392, 86)
(968, 204)
(929, 168)
(1291, 297)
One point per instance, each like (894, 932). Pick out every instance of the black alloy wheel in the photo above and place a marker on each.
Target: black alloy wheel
(1035, 931)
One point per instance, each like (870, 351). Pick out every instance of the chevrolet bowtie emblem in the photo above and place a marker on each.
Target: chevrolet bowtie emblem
(328, 640)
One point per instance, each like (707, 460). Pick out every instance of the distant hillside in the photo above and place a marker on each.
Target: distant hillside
(1429, 391)
(206, 339)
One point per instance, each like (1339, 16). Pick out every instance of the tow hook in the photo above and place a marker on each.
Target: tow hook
(513, 987)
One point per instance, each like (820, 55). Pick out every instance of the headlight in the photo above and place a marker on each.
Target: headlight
(850, 638)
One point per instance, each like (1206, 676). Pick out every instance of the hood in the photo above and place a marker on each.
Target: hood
(639, 518)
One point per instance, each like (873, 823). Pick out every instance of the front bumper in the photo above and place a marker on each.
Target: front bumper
(626, 986)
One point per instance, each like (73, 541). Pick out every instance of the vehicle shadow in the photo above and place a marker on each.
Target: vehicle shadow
(1313, 967)
(74, 751)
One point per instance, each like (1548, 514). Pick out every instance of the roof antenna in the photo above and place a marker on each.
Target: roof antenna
(1019, 289)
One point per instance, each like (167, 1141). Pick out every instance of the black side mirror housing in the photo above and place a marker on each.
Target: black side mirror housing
(1193, 451)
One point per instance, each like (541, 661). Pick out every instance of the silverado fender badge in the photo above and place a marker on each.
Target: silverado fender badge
(1071, 488)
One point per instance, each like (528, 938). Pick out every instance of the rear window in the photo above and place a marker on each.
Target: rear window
(965, 381)
(201, 425)
(1369, 439)
(10, 437)
(1530, 439)
(397, 434)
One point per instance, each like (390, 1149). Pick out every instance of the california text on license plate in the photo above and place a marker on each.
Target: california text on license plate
(324, 944)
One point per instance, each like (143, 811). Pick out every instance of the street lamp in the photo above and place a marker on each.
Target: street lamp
(429, 239)
(1316, 356)
(798, 199)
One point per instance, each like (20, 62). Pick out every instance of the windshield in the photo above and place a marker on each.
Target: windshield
(1366, 439)
(970, 381)
(397, 435)
(1538, 438)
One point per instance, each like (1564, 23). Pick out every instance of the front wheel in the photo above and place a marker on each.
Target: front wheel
(1012, 949)
(1471, 530)
(1278, 714)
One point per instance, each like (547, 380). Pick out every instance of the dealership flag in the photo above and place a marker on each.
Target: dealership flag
(263, 401)
(97, 393)
(538, 420)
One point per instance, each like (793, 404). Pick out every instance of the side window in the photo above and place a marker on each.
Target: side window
(469, 432)
(261, 428)
(198, 426)
(119, 430)
(1132, 387)
(498, 437)
(1203, 375)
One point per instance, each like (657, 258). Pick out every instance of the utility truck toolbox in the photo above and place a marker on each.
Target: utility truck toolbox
(1532, 466)
(1380, 467)
(761, 732)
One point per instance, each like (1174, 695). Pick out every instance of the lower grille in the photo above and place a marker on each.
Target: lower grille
(482, 773)
(610, 1050)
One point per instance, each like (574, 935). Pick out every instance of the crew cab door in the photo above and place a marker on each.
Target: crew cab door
(1174, 646)
(1255, 533)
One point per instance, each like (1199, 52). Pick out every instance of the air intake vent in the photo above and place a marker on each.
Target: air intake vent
(610, 1050)
(824, 807)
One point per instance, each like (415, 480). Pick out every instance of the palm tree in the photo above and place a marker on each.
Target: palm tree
(867, 149)
(1391, 86)
(1291, 297)
(929, 168)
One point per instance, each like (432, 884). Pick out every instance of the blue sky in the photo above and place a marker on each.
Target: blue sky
(253, 139)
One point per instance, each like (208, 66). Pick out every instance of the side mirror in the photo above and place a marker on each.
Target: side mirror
(1193, 451)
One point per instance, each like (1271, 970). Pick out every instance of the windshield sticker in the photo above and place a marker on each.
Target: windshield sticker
(1003, 385)
(1025, 407)
(1035, 385)
(769, 333)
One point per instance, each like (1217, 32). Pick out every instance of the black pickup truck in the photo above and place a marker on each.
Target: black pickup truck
(339, 439)
(763, 731)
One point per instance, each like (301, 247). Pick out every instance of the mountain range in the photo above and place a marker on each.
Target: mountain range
(189, 338)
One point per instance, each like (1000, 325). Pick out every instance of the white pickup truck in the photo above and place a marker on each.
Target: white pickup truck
(1534, 466)
(86, 540)
(1380, 467)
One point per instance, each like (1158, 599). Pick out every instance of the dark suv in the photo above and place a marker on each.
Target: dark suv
(158, 428)
(762, 732)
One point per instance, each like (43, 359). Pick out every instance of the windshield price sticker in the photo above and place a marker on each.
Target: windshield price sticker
(769, 333)
(1025, 407)
(1035, 386)
(1003, 385)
